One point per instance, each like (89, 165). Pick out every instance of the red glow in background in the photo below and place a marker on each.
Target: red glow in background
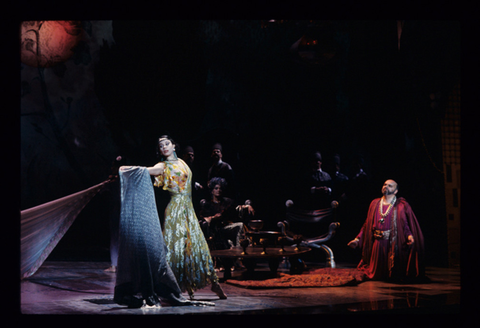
(48, 43)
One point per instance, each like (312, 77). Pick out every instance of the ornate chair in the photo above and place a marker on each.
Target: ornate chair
(311, 228)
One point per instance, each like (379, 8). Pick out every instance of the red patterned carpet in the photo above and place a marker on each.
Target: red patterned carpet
(324, 277)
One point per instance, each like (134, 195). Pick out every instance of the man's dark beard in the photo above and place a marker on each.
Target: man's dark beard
(386, 192)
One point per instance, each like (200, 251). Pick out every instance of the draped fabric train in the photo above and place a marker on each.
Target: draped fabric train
(42, 227)
(142, 264)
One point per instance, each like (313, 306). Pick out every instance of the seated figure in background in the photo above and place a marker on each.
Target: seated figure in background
(218, 217)
(220, 221)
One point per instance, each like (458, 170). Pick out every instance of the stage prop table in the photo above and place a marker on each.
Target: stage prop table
(264, 237)
(251, 254)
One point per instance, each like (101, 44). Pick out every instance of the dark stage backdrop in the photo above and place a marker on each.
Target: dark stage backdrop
(270, 92)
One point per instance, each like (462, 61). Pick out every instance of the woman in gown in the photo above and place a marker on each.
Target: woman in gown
(188, 253)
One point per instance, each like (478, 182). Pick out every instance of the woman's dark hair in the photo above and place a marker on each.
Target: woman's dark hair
(217, 181)
(165, 136)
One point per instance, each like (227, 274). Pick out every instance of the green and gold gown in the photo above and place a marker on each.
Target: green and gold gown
(188, 253)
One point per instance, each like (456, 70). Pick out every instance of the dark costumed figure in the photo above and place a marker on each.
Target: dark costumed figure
(143, 273)
(391, 239)
(316, 186)
(221, 169)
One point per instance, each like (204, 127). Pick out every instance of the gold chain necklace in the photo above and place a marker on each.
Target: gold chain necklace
(384, 215)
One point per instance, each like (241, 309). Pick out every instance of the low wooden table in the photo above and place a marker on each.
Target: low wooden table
(270, 237)
(254, 253)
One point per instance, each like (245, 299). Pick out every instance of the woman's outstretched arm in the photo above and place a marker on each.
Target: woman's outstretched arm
(156, 169)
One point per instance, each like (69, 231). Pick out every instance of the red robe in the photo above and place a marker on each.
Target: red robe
(392, 257)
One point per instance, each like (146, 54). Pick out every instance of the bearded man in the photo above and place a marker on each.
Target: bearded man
(391, 239)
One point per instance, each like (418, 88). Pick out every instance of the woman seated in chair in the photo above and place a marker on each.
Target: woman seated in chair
(219, 219)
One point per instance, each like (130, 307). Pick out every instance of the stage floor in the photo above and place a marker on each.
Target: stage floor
(66, 288)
